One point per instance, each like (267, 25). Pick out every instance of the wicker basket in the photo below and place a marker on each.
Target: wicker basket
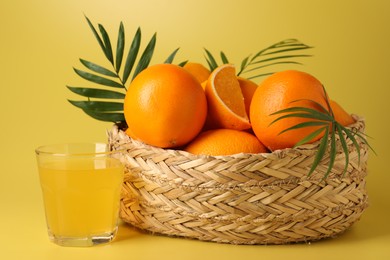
(244, 198)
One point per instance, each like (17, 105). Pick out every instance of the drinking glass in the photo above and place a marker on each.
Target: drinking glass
(81, 185)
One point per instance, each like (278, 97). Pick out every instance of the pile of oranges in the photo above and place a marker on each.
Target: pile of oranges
(217, 112)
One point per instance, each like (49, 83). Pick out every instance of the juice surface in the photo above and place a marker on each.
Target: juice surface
(81, 196)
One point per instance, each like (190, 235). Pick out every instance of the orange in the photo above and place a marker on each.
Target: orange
(131, 134)
(226, 106)
(340, 114)
(203, 84)
(277, 92)
(200, 72)
(165, 106)
(248, 88)
(225, 142)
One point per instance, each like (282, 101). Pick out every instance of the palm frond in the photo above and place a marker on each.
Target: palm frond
(116, 77)
(328, 126)
(253, 66)
(274, 54)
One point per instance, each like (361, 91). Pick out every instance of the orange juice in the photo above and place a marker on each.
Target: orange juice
(81, 195)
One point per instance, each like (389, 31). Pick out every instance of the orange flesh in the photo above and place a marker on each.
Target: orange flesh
(229, 91)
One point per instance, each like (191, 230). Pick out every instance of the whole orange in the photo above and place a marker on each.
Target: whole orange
(165, 106)
(340, 114)
(248, 89)
(200, 72)
(225, 142)
(277, 92)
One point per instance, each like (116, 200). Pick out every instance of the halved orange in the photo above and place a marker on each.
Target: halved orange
(226, 106)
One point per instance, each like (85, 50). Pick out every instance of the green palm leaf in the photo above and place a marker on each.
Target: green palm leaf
(306, 124)
(276, 54)
(117, 77)
(211, 60)
(97, 93)
(271, 64)
(302, 47)
(98, 105)
(132, 55)
(351, 136)
(97, 68)
(328, 125)
(146, 56)
(171, 56)
(95, 33)
(107, 44)
(302, 112)
(120, 45)
(364, 140)
(320, 152)
(278, 58)
(181, 64)
(107, 117)
(344, 147)
(244, 63)
(224, 59)
(98, 79)
(271, 55)
(309, 137)
(282, 46)
(332, 151)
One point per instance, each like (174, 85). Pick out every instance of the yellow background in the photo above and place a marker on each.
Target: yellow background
(42, 40)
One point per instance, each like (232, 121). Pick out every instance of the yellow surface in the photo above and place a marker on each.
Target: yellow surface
(42, 40)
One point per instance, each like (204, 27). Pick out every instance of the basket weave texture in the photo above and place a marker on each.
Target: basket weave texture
(244, 198)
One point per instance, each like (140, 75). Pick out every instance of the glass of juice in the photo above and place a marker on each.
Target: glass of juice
(81, 185)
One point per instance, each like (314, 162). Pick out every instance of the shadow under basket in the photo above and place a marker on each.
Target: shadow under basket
(263, 198)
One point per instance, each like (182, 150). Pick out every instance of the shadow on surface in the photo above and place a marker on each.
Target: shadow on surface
(126, 232)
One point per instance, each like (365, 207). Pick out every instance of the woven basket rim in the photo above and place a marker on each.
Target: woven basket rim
(193, 159)
(358, 124)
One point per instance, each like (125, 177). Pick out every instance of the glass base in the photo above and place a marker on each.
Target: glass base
(87, 241)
